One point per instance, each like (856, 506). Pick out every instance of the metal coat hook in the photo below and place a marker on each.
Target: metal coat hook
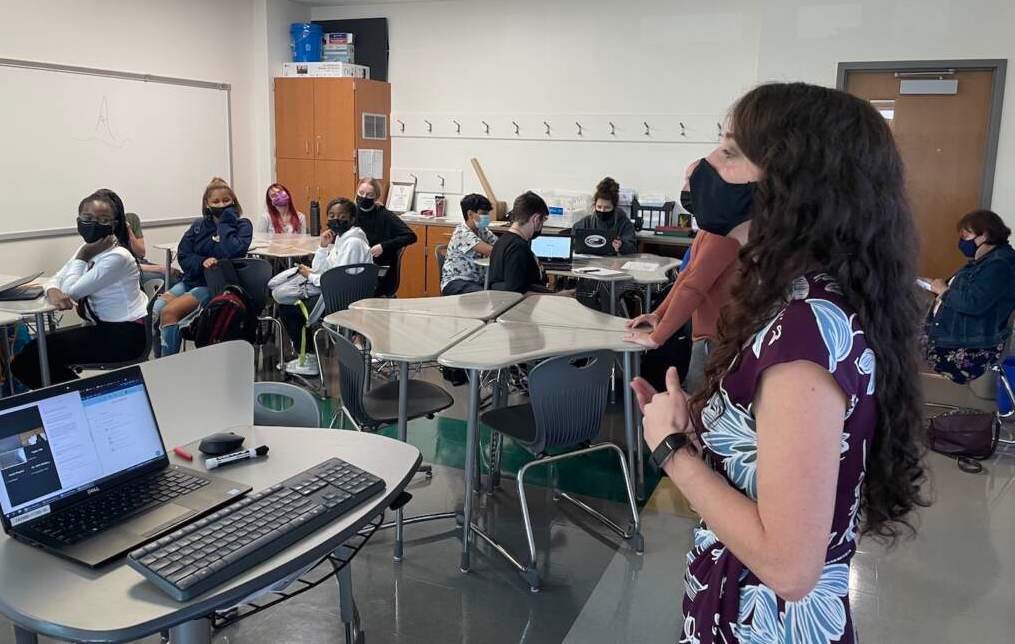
(401, 126)
(613, 129)
(458, 126)
(486, 126)
(547, 128)
(516, 127)
(683, 130)
(648, 131)
(579, 127)
(441, 179)
(429, 126)
(718, 129)
(415, 179)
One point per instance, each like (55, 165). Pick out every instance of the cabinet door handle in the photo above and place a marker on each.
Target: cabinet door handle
(317, 147)
(306, 146)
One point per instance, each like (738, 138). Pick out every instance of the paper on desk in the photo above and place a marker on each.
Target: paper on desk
(640, 266)
(597, 271)
(371, 163)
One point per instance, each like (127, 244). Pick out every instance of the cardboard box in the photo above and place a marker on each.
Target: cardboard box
(338, 38)
(317, 70)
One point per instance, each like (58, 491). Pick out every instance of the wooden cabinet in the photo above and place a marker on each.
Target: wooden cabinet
(435, 236)
(413, 280)
(319, 127)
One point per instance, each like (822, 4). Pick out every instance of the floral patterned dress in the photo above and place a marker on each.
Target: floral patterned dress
(725, 602)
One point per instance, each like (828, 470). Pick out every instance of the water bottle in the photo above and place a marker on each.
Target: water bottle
(315, 218)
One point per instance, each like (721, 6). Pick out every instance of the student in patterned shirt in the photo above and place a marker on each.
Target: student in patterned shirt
(472, 239)
(804, 435)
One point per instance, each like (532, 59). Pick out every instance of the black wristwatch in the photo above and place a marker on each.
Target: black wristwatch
(665, 450)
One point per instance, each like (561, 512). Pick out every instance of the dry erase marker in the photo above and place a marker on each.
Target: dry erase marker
(217, 461)
(182, 453)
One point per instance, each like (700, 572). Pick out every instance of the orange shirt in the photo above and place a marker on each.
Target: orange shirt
(702, 289)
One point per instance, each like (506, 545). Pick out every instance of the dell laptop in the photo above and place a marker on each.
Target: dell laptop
(16, 289)
(594, 242)
(84, 472)
(553, 252)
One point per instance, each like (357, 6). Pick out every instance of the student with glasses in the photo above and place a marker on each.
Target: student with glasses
(101, 280)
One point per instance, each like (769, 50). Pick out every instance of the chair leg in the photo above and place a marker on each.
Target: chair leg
(320, 366)
(530, 574)
(633, 534)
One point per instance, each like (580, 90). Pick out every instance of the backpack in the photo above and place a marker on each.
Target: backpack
(227, 316)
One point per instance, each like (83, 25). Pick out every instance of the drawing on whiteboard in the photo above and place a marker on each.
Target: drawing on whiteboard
(104, 131)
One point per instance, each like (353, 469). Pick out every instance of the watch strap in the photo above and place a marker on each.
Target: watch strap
(665, 449)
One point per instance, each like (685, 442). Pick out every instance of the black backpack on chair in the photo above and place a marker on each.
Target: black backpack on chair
(227, 316)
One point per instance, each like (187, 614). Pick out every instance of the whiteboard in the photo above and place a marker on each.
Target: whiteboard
(66, 131)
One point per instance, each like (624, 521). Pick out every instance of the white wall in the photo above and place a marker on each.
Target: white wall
(597, 58)
(806, 41)
(184, 38)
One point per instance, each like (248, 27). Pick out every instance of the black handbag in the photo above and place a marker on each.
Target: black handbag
(968, 435)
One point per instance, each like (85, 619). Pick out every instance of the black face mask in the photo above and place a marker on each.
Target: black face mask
(339, 226)
(93, 231)
(605, 214)
(215, 212)
(685, 201)
(718, 206)
(365, 203)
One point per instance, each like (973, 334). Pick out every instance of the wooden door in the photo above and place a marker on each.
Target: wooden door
(298, 176)
(413, 282)
(435, 236)
(374, 98)
(333, 179)
(334, 138)
(942, 139)
(294, 118)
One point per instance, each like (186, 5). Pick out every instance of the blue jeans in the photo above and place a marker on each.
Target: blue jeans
(171, 333)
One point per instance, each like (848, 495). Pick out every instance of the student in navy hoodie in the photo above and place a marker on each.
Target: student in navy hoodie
(221, 233)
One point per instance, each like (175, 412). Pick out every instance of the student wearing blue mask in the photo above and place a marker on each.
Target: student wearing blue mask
(968, 325)
(101, 280)
(471, 240)
(221, 233)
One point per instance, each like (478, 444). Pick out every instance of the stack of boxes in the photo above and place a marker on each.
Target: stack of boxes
(338, 48)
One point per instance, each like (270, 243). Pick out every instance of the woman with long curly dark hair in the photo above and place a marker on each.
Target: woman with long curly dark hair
(805, 434)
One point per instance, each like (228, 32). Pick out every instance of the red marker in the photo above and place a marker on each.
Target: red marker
(182, 453)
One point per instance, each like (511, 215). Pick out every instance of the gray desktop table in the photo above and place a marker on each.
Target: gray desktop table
(405, 338)
(45, 595)
(501, 345)
(483, 305)
(39, 308)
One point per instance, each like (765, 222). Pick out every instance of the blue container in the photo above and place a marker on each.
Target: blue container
(1004, 403)
(307, 41)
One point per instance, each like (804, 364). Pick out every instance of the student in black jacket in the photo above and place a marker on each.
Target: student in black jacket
(513, 266)
(607, 221)
(385, 231)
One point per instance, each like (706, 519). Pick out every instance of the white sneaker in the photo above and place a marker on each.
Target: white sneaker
(308, 368)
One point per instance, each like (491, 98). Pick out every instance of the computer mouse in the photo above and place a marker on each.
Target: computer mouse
(221, 443)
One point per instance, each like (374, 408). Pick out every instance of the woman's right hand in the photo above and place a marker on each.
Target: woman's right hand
(59, 299)
(327, 238)
(649, 320)
(209, 262)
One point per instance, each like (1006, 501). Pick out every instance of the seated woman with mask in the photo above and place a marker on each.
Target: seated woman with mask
(343, 243)
(722, 208)
(968, 326)
(102, 280)
(608, 223)
(385, 231)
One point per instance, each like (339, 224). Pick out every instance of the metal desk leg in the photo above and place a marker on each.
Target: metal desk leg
(471, 438)
(197, 631)
(629, 430)
(5, 352)
(22, 636)
(648, 299)
(169, 269)
(403, 435)
(40, 328)
(499, 400)
(613, 297)
(346, 602)
(639, 472)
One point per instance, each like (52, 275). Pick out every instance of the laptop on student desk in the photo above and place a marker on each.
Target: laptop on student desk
(553, 252)
(16, 289)
(84, 472)
(594, 242)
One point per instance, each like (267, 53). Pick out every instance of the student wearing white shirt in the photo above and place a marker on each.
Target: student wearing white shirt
(101, 279)
(281, 215)
(343, 243)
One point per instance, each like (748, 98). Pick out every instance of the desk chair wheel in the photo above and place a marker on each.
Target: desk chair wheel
(430, 416)
(427, 470)
(532, 576)
(637, 541)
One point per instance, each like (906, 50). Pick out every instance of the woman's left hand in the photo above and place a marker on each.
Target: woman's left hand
(88, 252)
(664, 413)
(303, 270)
(642, 338)
(617, 244)
(938, 286)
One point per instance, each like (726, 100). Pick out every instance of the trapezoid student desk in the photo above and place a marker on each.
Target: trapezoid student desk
(405, 338)
(500, 345)
(40, 308)
(43, 594)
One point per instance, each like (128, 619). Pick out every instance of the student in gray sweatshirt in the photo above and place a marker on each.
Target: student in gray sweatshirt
(607, 222)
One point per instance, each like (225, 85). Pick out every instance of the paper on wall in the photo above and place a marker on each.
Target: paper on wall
(371, 163)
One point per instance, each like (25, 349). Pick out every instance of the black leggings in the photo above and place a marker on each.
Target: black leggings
(292, 319)
(104, 342)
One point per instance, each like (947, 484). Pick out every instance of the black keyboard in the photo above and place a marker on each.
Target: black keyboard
(21, 293)
(217, 548)
(119, 504)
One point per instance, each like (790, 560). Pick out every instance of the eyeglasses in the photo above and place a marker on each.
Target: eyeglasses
(88, 219)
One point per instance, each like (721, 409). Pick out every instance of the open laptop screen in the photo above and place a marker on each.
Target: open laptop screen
(67, 440)
(552, 247)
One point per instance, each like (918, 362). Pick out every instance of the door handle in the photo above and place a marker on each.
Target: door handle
(306, 146)
(317, 147)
